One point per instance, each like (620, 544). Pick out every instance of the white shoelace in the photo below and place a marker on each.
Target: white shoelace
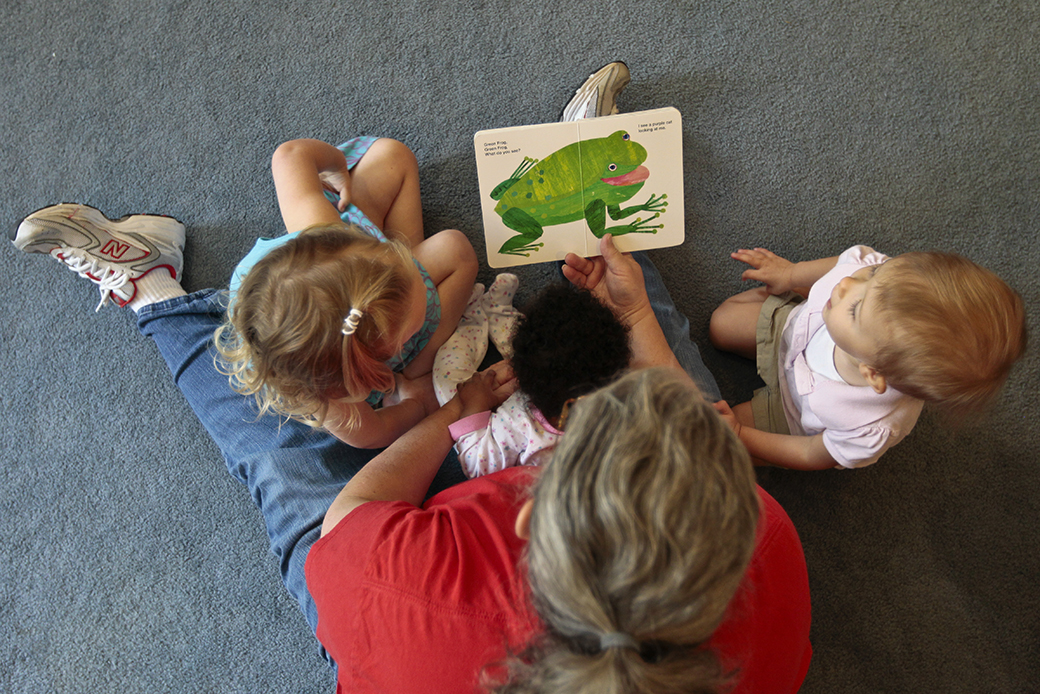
(108, 279)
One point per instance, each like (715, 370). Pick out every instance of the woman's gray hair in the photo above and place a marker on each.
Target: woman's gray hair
(643, 525)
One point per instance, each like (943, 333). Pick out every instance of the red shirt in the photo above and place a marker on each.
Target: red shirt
(414, 600)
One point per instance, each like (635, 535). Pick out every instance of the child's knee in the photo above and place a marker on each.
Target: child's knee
(732, 327)
(720, 328)
(735, 319)
(717, 327)
(453, 244)
(391, 152)
(462, 246)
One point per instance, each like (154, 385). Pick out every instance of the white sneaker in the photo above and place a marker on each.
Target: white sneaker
(112, 254)
(598, 95)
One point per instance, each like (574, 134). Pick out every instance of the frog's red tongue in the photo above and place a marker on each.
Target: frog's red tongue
(636, 175)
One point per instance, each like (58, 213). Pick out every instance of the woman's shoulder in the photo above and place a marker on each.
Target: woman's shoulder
(388, 536)
(448, 570)
(776, 527)
(765, 636)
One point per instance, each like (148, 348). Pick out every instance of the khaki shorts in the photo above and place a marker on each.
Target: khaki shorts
(766, 404)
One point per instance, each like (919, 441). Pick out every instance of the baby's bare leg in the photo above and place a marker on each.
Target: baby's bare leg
(733, 323)
(385, 186)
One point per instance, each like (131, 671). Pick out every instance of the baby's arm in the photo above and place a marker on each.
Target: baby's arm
(452, 264)
(785, 450)
(375, 428)
(485, 440)
(782, 450)
(780, 275)
(302, 171)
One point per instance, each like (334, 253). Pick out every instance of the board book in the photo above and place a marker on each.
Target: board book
(557, 188)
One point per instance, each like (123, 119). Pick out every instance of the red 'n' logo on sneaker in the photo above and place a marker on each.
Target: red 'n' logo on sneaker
(114, 249)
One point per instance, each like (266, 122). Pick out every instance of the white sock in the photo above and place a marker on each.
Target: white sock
(501, 315)
(155, 287)
(460, 355)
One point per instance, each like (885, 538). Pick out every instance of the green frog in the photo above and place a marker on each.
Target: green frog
(588, 179)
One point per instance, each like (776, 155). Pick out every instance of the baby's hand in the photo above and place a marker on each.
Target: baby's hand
(767, 268)
(485, 390)
(503, 381)
(726, 412)
(477, 394)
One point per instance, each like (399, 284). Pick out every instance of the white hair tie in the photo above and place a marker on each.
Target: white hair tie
(350, 322)
(617, 639)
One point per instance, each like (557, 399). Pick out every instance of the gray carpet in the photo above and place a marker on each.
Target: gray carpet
(129, 559)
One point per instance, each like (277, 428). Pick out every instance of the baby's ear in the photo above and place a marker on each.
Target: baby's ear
(874, 379)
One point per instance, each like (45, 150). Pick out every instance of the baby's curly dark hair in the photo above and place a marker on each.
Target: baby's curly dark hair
(566, 345)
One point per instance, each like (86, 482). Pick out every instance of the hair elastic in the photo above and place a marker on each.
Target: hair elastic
(565, 412)
(350, 322)
(617, 639)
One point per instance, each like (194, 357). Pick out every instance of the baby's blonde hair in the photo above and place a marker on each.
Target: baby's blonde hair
(283, 340)
(953, 330)
(644, 523)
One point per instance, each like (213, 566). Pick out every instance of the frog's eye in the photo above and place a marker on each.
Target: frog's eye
(626, 136)
(612, 167)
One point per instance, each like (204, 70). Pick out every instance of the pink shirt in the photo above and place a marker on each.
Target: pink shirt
(514, 434)
(858, 424)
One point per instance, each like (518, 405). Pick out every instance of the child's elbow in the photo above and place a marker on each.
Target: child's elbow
(364, 434)
(816, 456)
(827, 463)
(364, 437)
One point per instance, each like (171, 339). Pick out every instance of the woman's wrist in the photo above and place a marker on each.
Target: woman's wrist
(452, 410)
(635, 315)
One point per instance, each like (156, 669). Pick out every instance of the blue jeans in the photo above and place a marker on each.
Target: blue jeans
(676, 328)
(292, 471)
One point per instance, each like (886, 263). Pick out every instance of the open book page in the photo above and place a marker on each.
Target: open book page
(557, 188)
